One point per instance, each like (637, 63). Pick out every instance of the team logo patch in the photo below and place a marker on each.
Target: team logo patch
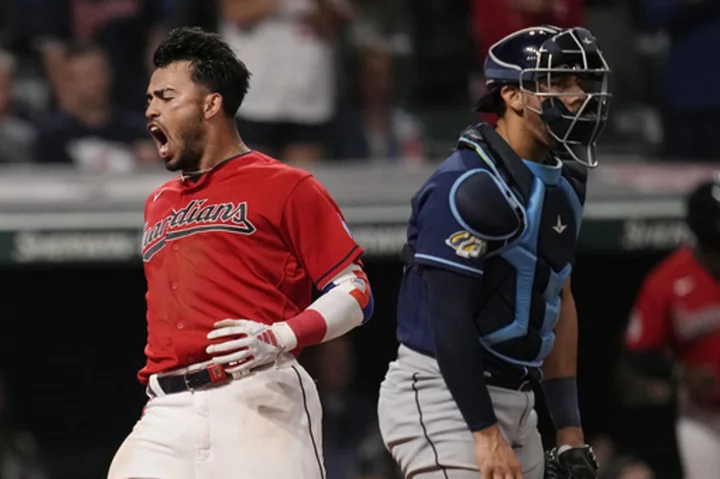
(198, 216)
(466, 245)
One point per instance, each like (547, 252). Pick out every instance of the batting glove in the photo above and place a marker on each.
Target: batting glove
(252, 344)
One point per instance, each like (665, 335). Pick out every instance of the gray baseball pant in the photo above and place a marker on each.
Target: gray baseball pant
(426, 434)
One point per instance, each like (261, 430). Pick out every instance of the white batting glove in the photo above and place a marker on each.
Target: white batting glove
(252, 344)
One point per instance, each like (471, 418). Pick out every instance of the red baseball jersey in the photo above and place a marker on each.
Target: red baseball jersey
(246, 240)
(678, 309)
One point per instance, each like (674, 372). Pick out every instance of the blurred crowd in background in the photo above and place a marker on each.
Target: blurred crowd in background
(336, 80)
(373, 80)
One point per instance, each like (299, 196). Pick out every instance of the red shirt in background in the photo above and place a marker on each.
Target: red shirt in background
(678, 310)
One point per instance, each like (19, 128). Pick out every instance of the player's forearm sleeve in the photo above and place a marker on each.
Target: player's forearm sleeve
(346, 303)
(561, 396)
(453, 302)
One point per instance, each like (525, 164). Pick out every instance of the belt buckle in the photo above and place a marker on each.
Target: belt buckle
(212, 374)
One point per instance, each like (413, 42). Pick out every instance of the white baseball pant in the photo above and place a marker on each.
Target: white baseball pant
(698, 433)
(263, 426)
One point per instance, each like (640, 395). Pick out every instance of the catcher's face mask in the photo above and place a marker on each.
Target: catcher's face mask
(570, 68)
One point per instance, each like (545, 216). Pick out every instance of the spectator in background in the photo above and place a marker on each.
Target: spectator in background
(373, 127)
(127, 30)
(691, 117)
(92, 133)
(16, 135)
(19, 458)
(288, 47)
(347, 414)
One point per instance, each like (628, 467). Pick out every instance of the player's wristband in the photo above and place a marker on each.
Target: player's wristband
(562, 401)
(308, 328)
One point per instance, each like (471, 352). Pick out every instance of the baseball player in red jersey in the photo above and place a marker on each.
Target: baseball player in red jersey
(232, 248)
(677, 313)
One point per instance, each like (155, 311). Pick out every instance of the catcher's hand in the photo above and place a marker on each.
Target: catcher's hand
(573, 463)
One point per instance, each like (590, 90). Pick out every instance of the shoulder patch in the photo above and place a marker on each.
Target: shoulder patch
(466, 245)
(485, 207)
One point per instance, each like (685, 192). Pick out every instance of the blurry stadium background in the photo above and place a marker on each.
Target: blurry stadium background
(368, 95)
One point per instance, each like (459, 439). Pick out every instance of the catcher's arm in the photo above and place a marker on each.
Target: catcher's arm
(572, 459)
(559, 371)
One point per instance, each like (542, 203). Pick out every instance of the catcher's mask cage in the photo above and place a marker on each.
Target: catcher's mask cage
(566, 53)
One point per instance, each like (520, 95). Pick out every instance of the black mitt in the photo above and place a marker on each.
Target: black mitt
(575, 463)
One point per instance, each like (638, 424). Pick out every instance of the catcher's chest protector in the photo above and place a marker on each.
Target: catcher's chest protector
(525, 272)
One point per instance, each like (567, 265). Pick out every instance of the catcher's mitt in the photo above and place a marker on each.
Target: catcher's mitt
(574, 463)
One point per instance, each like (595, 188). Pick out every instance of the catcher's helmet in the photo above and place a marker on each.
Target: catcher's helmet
(533, 58)
(703, 214)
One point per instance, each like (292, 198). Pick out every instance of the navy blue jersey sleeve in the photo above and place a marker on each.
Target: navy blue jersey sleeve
(441, 240)
(452, 302)
(459, 215)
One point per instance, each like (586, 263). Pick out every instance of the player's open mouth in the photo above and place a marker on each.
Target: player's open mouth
(161, 139)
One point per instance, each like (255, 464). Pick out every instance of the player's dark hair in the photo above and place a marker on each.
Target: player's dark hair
(213, 64)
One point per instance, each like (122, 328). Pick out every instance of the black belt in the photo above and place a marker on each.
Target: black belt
(212, 374)
(516, 384)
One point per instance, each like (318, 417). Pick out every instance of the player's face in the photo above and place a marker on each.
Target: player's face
(175, 117)
(570, 93)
